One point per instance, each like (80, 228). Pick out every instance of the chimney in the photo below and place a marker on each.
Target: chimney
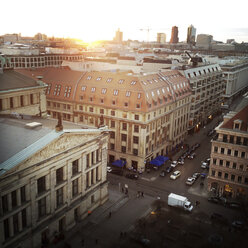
(59, 126)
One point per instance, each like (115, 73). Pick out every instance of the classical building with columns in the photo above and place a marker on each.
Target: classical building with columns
(49, 179)
(228, 174)
(21, 94)
(148, 114)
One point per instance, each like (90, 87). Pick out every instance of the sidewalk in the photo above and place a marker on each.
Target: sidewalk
(100, 230)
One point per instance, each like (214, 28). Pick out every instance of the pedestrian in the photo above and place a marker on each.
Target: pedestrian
(142, 193)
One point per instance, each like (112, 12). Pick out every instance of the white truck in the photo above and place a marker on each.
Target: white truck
(179, 201)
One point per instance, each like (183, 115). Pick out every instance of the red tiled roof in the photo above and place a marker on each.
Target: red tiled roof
(241, 115)
(133, 89)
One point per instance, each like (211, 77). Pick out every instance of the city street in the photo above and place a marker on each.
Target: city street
(100, 230)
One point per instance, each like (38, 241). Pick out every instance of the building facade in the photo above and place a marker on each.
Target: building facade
(228, 174)
(36, 61)
(174, 35)
(236, 79)
(207, 87)
(47, 187)
(147, 114)
(21, 94)
(161, 38)
(191, 34)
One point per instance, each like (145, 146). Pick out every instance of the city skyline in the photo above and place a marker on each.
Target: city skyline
(98, 20)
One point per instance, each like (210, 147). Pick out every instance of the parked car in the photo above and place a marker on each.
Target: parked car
(174, 164)
(207, 160)
(234, 205)
(180, 161)
(203, 175)
(190, 181)
(192, 155)
(169, 169)
(214, 199)
(204, 165)
(132, 176)
(238, 224)
(196, 175)
(175, 175)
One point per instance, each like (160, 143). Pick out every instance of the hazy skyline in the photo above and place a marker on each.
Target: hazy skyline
(92, 20)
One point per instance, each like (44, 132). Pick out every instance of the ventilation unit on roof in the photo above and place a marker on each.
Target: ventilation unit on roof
(33, 125)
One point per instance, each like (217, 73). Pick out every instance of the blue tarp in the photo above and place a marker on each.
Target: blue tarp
(119, 163)
(162, 158)
(156, 162)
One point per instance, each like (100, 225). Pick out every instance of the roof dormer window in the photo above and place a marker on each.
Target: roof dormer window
(98, 79)
(133, 82)
(109, 80)
(237, 124)
(104, 90)
(121, 81)
(115, 92)
(128, 93)
(83, 88)
(93, 89)
(88, 78)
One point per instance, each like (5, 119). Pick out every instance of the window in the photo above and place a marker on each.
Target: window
(13, 199)
(241, 167)
(116, 92)
(135, 140)
(226, 176)
(222, 150)
(239, 179)
(23, 194)
(75, 167)
(15, 224)
(42, 207)
(101, 111)
(31, 99)
(139, 95)
(133, 82)
(112, 135)
(98, 79)
(124, 126)
(232, 177)
(11, 102)
(75, 187)
(91, 99)
(242, 154)
(219, 174)
(137, 105)
(128, 93)
(234, 165)
(59, 175)
(231, 139)
(112, 146)
(236, 153)
(109, 80)
(104, 90)
(93, 89)
(41, 184)
(88, 78)
(123, 137)
(136, 128)
(123, 149)
(59, 197)
(213, 173)
(113, 102)
(24, 218)
(238, 141)
(227, 164)
(215, 149)
(112, 124)
(88, 160)
(135, 152)
(229, 152)
(22, 101)
(5, 203)
(246, 180)
(112, 112)
(101, 100)
(121, 81)
(6, 228)
(83, 88)
(147, 138)
(136, 117)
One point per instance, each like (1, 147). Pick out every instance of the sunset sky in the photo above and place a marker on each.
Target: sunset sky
(92, 20)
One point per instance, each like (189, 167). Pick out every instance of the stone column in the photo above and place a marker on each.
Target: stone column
(53, 193)
(9, 202)
(18, 197)
(20, 221)
(11, 228)
(33, 214)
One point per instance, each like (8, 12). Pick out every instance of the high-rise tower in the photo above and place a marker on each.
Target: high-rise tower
(191, 34)
(174, 35)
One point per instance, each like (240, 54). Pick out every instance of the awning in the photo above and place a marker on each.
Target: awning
(119, 163)
(156, 162)
(162, 158)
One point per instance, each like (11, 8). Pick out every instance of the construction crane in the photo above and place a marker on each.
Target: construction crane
(148, 30)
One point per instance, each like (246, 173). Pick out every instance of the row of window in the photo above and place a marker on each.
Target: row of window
(231, 152)
(227, 164)
(235, 139)
(231, 177)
